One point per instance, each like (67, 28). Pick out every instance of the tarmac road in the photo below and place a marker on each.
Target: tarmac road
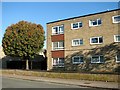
(20, 83)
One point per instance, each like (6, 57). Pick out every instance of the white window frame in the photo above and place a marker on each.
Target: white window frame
(58, 48)
(90, 22)
(98, 40)
(76, 23)
(79, 42)
(116, 57)
(59, 64)
(79, 60)
(59, 30)
(98, 57)
(115, 40)
(114, 19)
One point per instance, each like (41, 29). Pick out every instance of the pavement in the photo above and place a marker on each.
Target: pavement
(85, 83)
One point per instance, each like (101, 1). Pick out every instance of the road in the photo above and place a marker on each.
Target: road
(19, 83)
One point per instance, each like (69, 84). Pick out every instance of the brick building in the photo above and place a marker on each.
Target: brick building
(88, 43)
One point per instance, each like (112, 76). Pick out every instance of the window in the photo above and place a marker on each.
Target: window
(118, 58)
(77, 42)
(58, 45)
(58, 62)
(58, 30)
(97, 59)
(96, 22)
(116, 38)
(116, 19)
(76, 25)
(77, 59)
(96, 40)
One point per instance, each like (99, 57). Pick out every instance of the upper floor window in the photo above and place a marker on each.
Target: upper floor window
(58, 45)
(96, 40)
(116, 38)
(77, 42)
(96, 22)
(117, 58)
(58, 30)
(97, 59)
(76, 25)
(116, 19)
(77, 59)
(58, 62)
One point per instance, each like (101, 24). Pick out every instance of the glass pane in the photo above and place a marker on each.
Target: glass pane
(117, 38)
(76, 59)
(101, 59)
(94, 22)
(80, 24)
(75, 42)
(118, 57)
(61, 61)
(100, 40)
(117, 19)
(55, 61)
(61, 29)
(61, 44)
(94, 40)
(75, 25)
(90, 22)
(55, 30)
(81, 42)
(95, 59)
(99, 22)
(81, 59)
(55, 44)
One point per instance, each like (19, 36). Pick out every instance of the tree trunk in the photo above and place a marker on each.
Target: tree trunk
(31, 64)
(27, 65)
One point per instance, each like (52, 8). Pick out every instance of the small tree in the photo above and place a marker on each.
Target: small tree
(23, 39)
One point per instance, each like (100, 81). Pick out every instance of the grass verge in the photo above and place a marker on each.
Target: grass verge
(77, 76)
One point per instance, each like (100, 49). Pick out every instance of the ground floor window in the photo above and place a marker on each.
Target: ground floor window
(116, 38)
(58, 62)
(97, 59)
(77, 59)
(117, 58)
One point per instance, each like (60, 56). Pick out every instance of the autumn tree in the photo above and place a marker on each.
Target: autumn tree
(23, 39)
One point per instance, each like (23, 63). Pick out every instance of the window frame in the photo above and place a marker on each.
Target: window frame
(116, 57)
(113, 19)
(78, 25)
(58, 44)
(59, 64)
(79, 60)
(98, 57)
(79, 42)
(60, 31)
(91, 25)
(98, 40)
(115, 40)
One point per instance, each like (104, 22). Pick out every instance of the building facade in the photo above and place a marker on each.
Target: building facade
(88, 43)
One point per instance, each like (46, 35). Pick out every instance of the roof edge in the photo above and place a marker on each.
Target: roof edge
(82, 16)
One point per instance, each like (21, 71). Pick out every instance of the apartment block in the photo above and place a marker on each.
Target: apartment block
(88, 43)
